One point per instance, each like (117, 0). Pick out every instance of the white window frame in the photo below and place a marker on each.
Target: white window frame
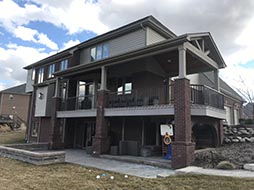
(64, 65)
(40, 75)
(99, 52)
(51, 70)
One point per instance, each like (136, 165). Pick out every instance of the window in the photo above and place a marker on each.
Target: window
(128, 86)
(124, 86)
(85, 93)
(64, 65)
(33, 74)
(40, 75)
(99, 52)
(35, 126)
(63, 87)
(51, 71)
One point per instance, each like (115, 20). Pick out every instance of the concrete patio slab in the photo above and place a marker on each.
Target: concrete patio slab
(140, 170)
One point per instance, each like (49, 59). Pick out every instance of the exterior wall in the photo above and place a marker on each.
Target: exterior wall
(233, 111)
(17, 105)
(29, 81)
(153, 37)
(123, 44)
(127, 43)
(41, 103)
(45, 130)
(194, 78)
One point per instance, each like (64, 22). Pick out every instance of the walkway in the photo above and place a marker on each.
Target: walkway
(228, 173)
(139, 170)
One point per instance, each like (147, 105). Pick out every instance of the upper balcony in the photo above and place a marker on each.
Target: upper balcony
(205, 101)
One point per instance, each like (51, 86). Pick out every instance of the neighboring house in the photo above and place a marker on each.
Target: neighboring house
(114, 91)
(15, 102)
(248, 111)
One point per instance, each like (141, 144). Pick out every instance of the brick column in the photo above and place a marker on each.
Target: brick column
(220, 132)
(101, 140)
(56, 140)
(182, 148)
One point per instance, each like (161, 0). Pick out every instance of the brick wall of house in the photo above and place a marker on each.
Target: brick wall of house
(15, 104)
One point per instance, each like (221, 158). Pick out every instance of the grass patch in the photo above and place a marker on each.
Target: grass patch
(19, 175)
(12, 137)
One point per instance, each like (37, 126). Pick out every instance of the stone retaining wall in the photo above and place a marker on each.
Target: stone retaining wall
(238, 133)
(30, 146)
(37, 158)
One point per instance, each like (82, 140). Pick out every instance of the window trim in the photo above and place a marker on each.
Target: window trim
(51, 71)
(98, 52)
(40, 75)
(64, 64)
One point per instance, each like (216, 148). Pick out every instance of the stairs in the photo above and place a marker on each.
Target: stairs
(13, 121)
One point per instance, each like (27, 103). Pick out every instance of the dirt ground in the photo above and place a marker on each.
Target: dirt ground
(237, 153)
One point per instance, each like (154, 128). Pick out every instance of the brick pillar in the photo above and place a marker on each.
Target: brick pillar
(56, 140)
(220, 132)
(182, 148)
(101, 139)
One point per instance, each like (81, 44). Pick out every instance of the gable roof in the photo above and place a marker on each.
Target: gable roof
(20, 89)
(210, 43)
(141, 23)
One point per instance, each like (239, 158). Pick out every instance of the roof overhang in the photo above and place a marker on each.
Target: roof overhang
(156, 49)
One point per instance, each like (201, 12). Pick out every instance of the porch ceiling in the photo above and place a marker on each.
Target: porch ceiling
(169, 62)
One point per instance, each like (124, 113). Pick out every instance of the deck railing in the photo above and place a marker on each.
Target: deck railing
(200, 94)
(78, 103)
(140, 97)
(204, 95)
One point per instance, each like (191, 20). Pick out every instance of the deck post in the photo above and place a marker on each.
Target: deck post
(101, 140)
(183, 147)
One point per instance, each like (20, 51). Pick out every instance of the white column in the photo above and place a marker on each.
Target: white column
(216, 79)
(182, 61)
(57, 87)
(103, 78)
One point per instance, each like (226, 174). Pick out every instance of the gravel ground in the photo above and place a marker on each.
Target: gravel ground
(237, 153)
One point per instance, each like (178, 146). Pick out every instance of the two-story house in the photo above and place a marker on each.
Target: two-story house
(115, 90)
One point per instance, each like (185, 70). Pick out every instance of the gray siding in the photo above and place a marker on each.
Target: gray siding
(41, 104)
(85, 56)
(153, 37)
(127, 43)
(29, 81)
(123, 44)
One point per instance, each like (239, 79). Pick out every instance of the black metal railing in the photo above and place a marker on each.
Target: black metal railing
(140, 97)
(200, 94)
(78, 103)
(205, 95)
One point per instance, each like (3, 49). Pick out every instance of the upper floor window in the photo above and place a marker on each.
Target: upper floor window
(51, 71)
(40, 75)
(99, 52)
(64, 65)
(33, 74)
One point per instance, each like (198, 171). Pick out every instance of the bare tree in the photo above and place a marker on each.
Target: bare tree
(247, 93)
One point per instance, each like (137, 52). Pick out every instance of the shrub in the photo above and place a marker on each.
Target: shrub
(225, 165)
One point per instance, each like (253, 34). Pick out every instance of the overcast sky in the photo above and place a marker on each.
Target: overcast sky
(33, 29)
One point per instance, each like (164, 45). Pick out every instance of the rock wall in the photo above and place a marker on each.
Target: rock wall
(238, 133)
